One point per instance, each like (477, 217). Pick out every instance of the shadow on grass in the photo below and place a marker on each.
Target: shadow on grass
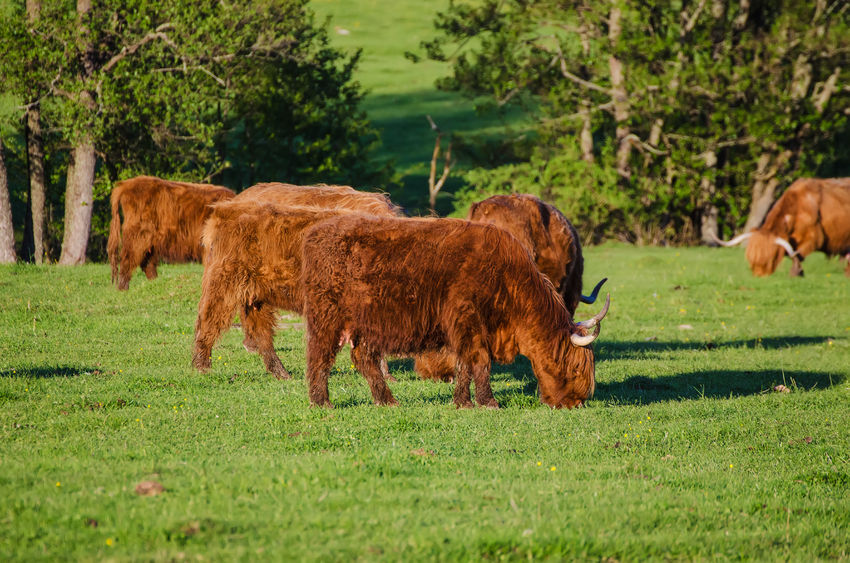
(45, 372)
(618, 350)
(710, 384)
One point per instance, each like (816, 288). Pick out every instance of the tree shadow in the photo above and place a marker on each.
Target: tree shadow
(46, 372)
(626, 349)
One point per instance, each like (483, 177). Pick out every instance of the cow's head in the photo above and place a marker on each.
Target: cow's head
(764, 250)
(571, 379)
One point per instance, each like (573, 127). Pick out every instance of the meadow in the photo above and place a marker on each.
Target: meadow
(686, 451)
(401, 93)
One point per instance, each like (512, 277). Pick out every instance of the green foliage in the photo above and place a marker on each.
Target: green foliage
(228, 93)
(685, 451)
(709, 91)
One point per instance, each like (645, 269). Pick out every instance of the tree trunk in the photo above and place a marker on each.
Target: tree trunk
(78, 204)
(79, 189)
(7, 229)
(764, 188)
(618, 94)
(708, 214)
(34, 237)
(586, 135)
(37, 187)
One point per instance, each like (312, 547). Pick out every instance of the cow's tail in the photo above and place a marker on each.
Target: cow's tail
(113, 244)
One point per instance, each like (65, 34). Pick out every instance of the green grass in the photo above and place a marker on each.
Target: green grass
(685, 452)
(401, 93)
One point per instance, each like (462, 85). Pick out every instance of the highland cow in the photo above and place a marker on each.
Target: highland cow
(812, 214)
(162, 221)
(553, 244)
(406, 286)
(252, 268)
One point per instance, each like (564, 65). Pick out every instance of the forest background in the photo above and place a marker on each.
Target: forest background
(655, 122)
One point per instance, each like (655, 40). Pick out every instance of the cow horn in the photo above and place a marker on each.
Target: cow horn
(594, 293)
(579, 340)
(737, 240)
(786, 245)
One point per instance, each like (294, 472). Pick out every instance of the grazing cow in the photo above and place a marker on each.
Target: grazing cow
(162, 221)
(552, 242)
(812, 214)
(322, 196)
(404, 286)
(252, 267)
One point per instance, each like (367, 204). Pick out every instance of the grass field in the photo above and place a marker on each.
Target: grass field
(685, 452)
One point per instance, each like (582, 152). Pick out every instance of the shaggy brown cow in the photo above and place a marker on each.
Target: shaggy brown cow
(252, 267)
(552, 242)
(404, 286)
(162, 221)
(813, 214)
(323, 196)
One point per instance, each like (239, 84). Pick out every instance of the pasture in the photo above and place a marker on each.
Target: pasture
(685, 452)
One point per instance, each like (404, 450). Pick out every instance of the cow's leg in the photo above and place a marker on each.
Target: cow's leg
(258, 323)
(477, 358)
(462, 398)
(215, 313)
(322, 348)
(385, 370)
(796, 267)
(467, 341)
(369, 363)
(148, 264)
(136, 245)
(847, 267)
(439, 366)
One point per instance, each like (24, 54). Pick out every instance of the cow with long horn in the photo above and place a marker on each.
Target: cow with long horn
(553, 244)
(405, 286)
(813, 214)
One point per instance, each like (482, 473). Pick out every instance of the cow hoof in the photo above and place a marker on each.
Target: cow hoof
(464, 404)
(491, 404)
(389, 403)
(281, 374)
(325, 404)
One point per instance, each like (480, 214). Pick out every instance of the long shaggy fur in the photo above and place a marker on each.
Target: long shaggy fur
(254, 260)
(162, 221)
(546, 234)
(404, 286)
(813, 214)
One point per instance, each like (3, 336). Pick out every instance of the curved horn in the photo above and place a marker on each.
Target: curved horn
(737, 240)
(584, 340)
(786, 245)
(594, 293)
(593, 321)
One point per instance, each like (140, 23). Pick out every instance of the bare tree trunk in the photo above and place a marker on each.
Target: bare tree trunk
(764, 187)
(35, 164)
(586, 135)
(708, 214)
(78, 204)
(79, 189)
(619, 95)
(7, 229)
(37, 187)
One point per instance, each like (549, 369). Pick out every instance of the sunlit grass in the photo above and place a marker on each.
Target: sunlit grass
(685, 452)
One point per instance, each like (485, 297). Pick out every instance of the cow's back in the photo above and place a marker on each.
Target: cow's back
(321, 195)
(545, 232)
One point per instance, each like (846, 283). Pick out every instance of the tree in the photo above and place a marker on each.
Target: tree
(142, 86)
(7, 233)
(703, 107)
